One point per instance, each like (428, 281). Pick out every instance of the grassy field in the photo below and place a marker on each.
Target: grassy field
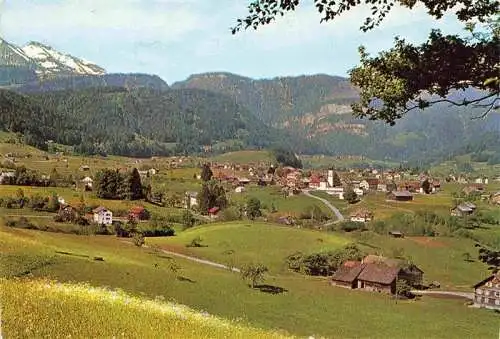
(270, 195)
(441, 258)
(48, 309)
(246, 242)
(322, 161)
(245, 157)
(72, 197)
(309, 306)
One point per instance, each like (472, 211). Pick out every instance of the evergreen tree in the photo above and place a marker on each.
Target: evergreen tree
(336, 180)
(350, 196)
(135, 185)
(253, 208)
(206, 173)
(204, 199)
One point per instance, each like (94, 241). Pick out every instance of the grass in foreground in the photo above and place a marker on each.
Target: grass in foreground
(309, 306)
(49, 309)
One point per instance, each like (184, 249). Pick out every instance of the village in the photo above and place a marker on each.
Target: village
(349, 188)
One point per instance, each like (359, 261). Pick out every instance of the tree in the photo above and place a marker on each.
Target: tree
(138, 239)
(253, 273)
(21, 199)
(206, 173)
(350, 196)
(336, 180)
(393, 83)
(187, 219)
(211, 195)
(287, 157)
(426, 186)
(134, 185)
(403, 289)
(253, 208)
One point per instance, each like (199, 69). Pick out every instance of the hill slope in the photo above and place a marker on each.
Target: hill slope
(139, 122)
(48, 309)
(316, 110)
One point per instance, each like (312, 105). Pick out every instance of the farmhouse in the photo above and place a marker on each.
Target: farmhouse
(376, 274)
(400, 196)
(212, 212)
(88, 182)
(362, 215)
(487, 293)
(138, 213)
(6, 175)
(102, 216)
(191, 199)
(495, 198)
(463, 209)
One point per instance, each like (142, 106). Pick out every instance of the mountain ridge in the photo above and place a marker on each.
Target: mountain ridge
(45, 60)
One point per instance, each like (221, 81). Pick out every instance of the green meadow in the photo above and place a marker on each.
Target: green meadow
(302, 306)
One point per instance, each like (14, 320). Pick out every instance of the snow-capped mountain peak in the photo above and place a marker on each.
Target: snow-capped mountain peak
(51, 61)
(45, 60)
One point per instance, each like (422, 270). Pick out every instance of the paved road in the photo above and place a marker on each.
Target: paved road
(465, 295)
(334, 209)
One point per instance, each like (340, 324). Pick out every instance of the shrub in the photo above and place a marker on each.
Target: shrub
(196, 242)
(323, 263)
(349, 226)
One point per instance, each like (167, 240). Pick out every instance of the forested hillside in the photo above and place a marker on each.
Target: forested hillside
(139, 122)
(77, 82)
(276, 101)
(316, 109)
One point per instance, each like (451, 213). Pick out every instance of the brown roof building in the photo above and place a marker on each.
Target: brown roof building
(376, 274)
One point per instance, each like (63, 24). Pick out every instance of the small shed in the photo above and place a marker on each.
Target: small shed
(396, 234)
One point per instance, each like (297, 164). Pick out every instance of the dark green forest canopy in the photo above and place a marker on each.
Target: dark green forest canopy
(400, 79)
(140, 122)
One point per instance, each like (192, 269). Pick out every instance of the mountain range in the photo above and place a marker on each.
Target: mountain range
(40, 61)
(141, 115)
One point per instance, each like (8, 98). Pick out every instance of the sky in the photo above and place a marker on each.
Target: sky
(177, 38)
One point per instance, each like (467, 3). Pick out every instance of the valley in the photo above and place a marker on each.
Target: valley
(224, 206)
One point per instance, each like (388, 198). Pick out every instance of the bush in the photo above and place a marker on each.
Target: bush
(349, 226)
(231, 214)
(323, 263)
(196, 242)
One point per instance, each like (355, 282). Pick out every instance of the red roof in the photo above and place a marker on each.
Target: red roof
(213, 210)
(137, 210)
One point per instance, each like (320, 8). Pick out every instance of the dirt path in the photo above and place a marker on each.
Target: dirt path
(328, 204)
(191, 258)
(457, 294)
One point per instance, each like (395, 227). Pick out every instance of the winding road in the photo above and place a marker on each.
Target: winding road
(328, 204)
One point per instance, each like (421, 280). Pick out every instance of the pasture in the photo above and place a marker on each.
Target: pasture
(239, 243)
(303, 305)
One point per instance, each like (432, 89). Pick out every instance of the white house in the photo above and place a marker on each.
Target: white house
(103, 216)
(5, 175)
(239, 189)
(364, 185)
(191, 199)
(359, 192)
(87, 181)
(361, 215)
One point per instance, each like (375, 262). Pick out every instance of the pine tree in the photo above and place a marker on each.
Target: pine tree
(135, 185)
(206, 173)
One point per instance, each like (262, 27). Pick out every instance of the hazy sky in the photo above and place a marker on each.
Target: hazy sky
(176, 38)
